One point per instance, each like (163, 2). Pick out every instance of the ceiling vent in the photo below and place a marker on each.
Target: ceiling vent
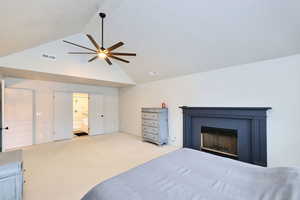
(50, 57)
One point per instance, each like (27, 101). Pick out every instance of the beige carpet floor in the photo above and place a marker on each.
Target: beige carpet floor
(66, 170)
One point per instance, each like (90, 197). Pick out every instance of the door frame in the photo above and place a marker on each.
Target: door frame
(76, 91)
(2, 147)
(88, 110)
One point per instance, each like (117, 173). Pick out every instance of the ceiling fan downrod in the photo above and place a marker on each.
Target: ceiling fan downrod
(102, 16)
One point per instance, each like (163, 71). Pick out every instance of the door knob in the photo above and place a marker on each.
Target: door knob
(6, 128)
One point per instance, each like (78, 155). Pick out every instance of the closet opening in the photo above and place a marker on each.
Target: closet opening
(80, 114)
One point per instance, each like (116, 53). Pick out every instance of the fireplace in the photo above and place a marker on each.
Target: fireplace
(237, 133)
(219, 141)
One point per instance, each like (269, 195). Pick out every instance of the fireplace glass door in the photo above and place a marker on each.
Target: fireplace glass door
(219, 141)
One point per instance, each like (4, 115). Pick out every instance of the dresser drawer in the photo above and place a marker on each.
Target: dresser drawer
(150, 123)
(9, 170)
(8, 188)
(11, 175)
(153, 116)
(150, 136)
(150, 129)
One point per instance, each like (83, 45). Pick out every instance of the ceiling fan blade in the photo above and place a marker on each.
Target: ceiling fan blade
(117, 58)
(122, 54)
(82, 53)
(108, 61)
(79, 46)
(93, 41)
(94, 58)
(115, 46)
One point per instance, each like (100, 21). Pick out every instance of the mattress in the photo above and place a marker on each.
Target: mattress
(188, 174)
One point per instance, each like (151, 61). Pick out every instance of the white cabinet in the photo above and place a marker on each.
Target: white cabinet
(11, 175)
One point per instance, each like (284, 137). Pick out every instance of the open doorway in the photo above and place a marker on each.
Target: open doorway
(80, 114)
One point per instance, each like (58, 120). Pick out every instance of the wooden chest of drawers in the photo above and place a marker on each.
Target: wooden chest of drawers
(155, 125)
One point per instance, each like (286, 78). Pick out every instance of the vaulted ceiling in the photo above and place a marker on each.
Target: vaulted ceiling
(25, 24)
(171, 37)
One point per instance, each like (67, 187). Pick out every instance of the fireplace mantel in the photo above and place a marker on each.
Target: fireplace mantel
(250, 121)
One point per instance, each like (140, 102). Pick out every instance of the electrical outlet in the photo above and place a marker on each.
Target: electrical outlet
(173, 139)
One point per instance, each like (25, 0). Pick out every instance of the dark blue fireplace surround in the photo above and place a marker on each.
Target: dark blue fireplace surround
(250, 123)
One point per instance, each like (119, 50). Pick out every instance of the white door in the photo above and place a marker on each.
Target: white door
(96, 114)
(63, 115)
(18, 115)
(44, 110)
(2, 127)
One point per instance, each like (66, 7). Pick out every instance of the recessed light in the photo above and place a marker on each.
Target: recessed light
(153, 73)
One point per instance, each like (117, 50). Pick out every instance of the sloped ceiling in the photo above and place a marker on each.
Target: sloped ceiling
(29, 23)
(175, 37)
(31, 63)
(171, 37)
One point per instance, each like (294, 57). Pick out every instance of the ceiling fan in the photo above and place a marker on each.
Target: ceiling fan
(101, 52)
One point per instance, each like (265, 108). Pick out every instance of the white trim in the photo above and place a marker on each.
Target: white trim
(2, 112)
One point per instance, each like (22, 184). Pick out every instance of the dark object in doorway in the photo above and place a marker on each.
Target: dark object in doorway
(81, 134)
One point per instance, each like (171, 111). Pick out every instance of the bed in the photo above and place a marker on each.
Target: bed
(188, 174)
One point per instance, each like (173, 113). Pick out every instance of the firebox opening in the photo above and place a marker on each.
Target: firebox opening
(219, 140)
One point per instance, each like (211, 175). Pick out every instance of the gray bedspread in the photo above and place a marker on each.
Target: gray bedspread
(193, 175)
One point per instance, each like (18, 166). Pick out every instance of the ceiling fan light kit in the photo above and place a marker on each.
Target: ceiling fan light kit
(101, 52)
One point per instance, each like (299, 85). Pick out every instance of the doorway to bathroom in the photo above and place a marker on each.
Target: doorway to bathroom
(80, 114)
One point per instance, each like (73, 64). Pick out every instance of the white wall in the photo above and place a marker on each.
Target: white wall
(44, 91)
(66, 64)
(274, 83)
